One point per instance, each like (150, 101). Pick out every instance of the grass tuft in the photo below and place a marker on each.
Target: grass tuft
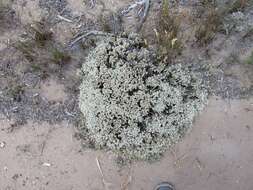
(41, 50)
(169, 45)
(6, 15)
(26, 48)
(39, 32)
(238, 5)
(104, 24)
(209, 26)
(59, 57)
(212, 21)
(15, 91)
(110, 22)
(3, 9)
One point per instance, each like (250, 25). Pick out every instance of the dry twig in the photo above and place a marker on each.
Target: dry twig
(65, 19)
(105, 183)
(83, 35)
(143, 12)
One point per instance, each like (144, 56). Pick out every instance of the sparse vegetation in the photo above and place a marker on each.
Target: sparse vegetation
(208, 3)
(6, 14)
(59, 57)
(39, 32)
(169, 45)
(210, 24)
(26, 48)
(238, 5)
(15, 91)
(40, 49)
(103, 21)
(110, 22)
(3, 9)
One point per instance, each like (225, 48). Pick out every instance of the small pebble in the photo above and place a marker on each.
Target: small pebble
(46, 164)
(2, 144)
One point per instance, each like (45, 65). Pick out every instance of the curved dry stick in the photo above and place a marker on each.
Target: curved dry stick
(79, 37)
(146, 4)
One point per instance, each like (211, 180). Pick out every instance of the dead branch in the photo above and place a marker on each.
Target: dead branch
(64, 19)
(84, 35)
(143, 12)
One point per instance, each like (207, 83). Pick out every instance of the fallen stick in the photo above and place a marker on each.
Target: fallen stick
(79, 37)
(105, 183)
(65, 19)
(146, 4)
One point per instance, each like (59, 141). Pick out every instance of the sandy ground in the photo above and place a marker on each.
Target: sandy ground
(217, 154)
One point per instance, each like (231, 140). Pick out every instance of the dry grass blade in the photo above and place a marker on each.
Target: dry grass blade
(64, 19)
(41, 50)
(199, 164)
(126, 183)
(179, 160)
(167, 31)
(210, 25)
(106, 184)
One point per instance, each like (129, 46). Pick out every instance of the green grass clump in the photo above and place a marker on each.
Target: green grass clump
(169, 45)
